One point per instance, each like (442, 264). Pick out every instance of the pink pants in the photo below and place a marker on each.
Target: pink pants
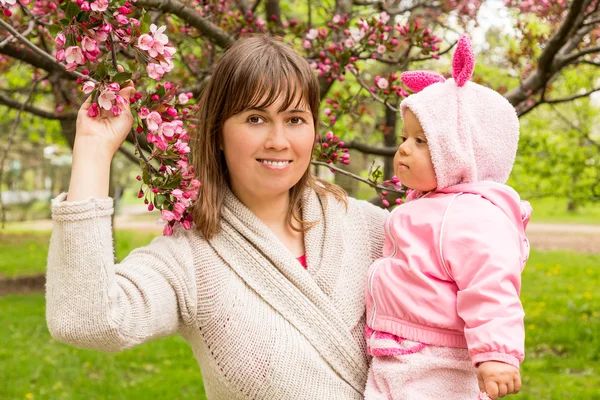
(423, 372)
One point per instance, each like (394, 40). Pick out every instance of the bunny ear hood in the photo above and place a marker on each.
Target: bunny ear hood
(472, 131)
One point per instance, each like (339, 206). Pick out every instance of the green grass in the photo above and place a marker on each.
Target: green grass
(560, 294)
(562, 305)
(25, 252)
(34, 366)
(554, 210)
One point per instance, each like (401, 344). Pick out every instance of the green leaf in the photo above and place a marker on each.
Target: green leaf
(159, 199)
(72, 10)
(54, 29)
(83, 17)
(112, 71)
(65, 22)
(101, 71)
(174, 183)
(161, 91)
(122, 77)
(146, 177)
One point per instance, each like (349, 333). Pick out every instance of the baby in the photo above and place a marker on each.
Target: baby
(444, 319)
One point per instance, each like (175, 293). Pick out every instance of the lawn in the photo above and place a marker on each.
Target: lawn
(560, 294)
(25, 252)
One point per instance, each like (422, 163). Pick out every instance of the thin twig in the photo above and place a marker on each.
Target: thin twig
(358, 178)
(39, 51)
(113, 51)
(9, 144)
(373, 95)
(139, 149)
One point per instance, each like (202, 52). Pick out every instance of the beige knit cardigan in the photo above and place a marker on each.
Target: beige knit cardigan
(260, 325)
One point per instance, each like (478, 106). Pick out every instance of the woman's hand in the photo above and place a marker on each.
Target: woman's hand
(106, 132)
(97, 140)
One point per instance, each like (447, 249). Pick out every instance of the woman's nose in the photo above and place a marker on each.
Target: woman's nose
(277, 139)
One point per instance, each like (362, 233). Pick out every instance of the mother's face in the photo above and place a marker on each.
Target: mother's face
(268, 151)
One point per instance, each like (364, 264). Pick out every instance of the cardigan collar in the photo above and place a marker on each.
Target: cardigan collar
(250, 248)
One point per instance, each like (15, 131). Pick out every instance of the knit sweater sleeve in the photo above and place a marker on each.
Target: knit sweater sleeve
(374, 219)
(91, 302)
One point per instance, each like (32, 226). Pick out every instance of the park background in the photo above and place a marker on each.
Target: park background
(557, 169)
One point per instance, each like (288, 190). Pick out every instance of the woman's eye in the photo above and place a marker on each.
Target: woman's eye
(421, 141)
(296, 121)
(255, 119)
(402, 139)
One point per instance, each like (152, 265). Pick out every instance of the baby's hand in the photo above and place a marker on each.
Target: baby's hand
(498, 379)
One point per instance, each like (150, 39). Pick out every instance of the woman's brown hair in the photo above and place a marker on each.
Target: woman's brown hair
(253, 72)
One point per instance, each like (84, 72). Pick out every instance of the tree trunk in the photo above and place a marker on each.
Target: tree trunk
(391, 122)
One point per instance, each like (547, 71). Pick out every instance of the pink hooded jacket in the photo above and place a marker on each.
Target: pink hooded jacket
(451, 271)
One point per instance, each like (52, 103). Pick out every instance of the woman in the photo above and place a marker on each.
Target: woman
(261, 326)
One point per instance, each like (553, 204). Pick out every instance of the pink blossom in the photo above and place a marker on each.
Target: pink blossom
(384, 17)
(116, 111)
(60, 40)
(349, 43)
(121, 102)
(143, 113)
(183, 98)
(153, 121)
(90, 45)
(9, 2)
(187, 225)
(158, 35)
(307, 44)
(88, 87)
(167, 215)
(145, 42)
(114, 87)
(381, 49)
(101, 36)
(182, 147)
(196, 183)
(71, 67)
(312, 34)
(178, 193)
(168, 230)
(155, 71)
(122, 19)
(99, 5)
(93, 111)
(60, 55)
(382, 83)
(167, 130)
(178, 209)
(357, 34)
(85, 6)
(105, 99)
(73, 54)
(336, 19)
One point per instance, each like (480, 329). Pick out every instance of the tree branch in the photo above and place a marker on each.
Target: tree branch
(9, 102)
(39, 51)
(358, 178)
(547, 65)
(189, 15)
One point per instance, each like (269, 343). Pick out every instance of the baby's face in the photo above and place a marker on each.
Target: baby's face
(412, 162)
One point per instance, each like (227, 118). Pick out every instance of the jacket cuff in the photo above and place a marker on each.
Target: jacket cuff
(494, 356)
(80, 210)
